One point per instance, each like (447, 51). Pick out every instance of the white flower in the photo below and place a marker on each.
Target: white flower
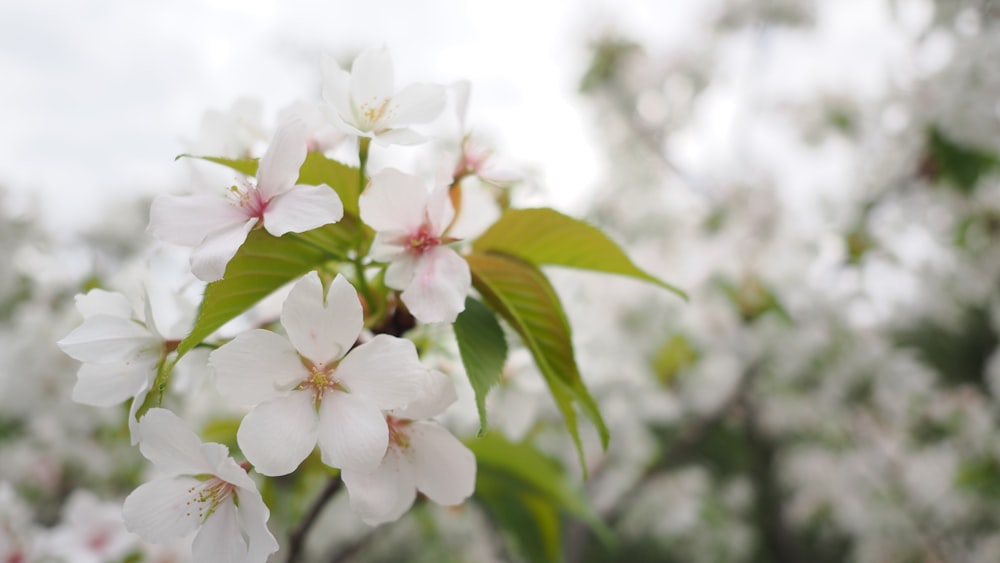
(120, 353)
(307, 391)
(91, 531)
(365, 102)
(223, 502)
(410, 224)
(217, 226)
(422, 456)
(232, 133)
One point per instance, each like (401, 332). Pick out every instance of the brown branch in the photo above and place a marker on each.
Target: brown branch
(297, 538)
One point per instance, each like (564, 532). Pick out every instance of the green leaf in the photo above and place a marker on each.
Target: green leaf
(263, 264)
(317, 169)
(521, 294)
(959, 165)
(526, 492)
(483, 347)
(545, 237)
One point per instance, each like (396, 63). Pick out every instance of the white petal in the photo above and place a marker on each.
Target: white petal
(256, 366)
(277, 435)
(388, 246)
(210, 258)
(443, 468)
(439, 286)
(107, 385)
(253, 515)
(435, 395)
(105, 339)
(440, 212)
(301, 209)
(187, 220)
(403, 137)
(220, 539)
(372, 77)
(133, 422)
(320, 331)
(160, 512)
(101, 302)
(400, 272)
(336, 87)
(166, 440)
(393, 201)
(385, 369)
(352, 431)
(418, 103)
(342, 122)
(384, 494)
(279, 167)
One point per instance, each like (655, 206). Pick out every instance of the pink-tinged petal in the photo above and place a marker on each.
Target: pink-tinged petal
(322, 331)
(443, 468)
(277, 435)
(104, 339)
(101, 302)
(210, 258)
(279, 167)
(436, 393)
(256, 366)
(107, 385)
(187, 220)
(166, 440)
(301, 209)
(388, 246)
(385, 370)
(418, 103)
(439, 286)
(372, 78)
(384, 494)
(400, 272)
(352, 431)
(253, 515)
(439, 209)
(393, 201)
(405, 137)
(160, 512)
(220, 539)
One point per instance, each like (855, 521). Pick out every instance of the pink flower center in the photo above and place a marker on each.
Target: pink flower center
(422, 240)
(398, 435)
(320, 380)
(207, 497)
(248, 198)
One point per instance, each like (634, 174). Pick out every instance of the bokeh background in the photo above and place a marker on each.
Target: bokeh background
(822, 177)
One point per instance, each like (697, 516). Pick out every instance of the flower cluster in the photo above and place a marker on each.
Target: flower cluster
(325, 373)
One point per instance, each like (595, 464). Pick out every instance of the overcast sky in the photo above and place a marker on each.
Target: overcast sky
(97, 97)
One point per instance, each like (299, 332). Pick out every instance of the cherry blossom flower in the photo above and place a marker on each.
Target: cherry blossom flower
(410, 226)
(91, 531)
(422, 456)
(120, 353)
(304, 388)
(217, 226)
(365, 102)
(205, 488)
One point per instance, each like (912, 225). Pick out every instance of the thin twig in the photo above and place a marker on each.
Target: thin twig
(297, 539)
